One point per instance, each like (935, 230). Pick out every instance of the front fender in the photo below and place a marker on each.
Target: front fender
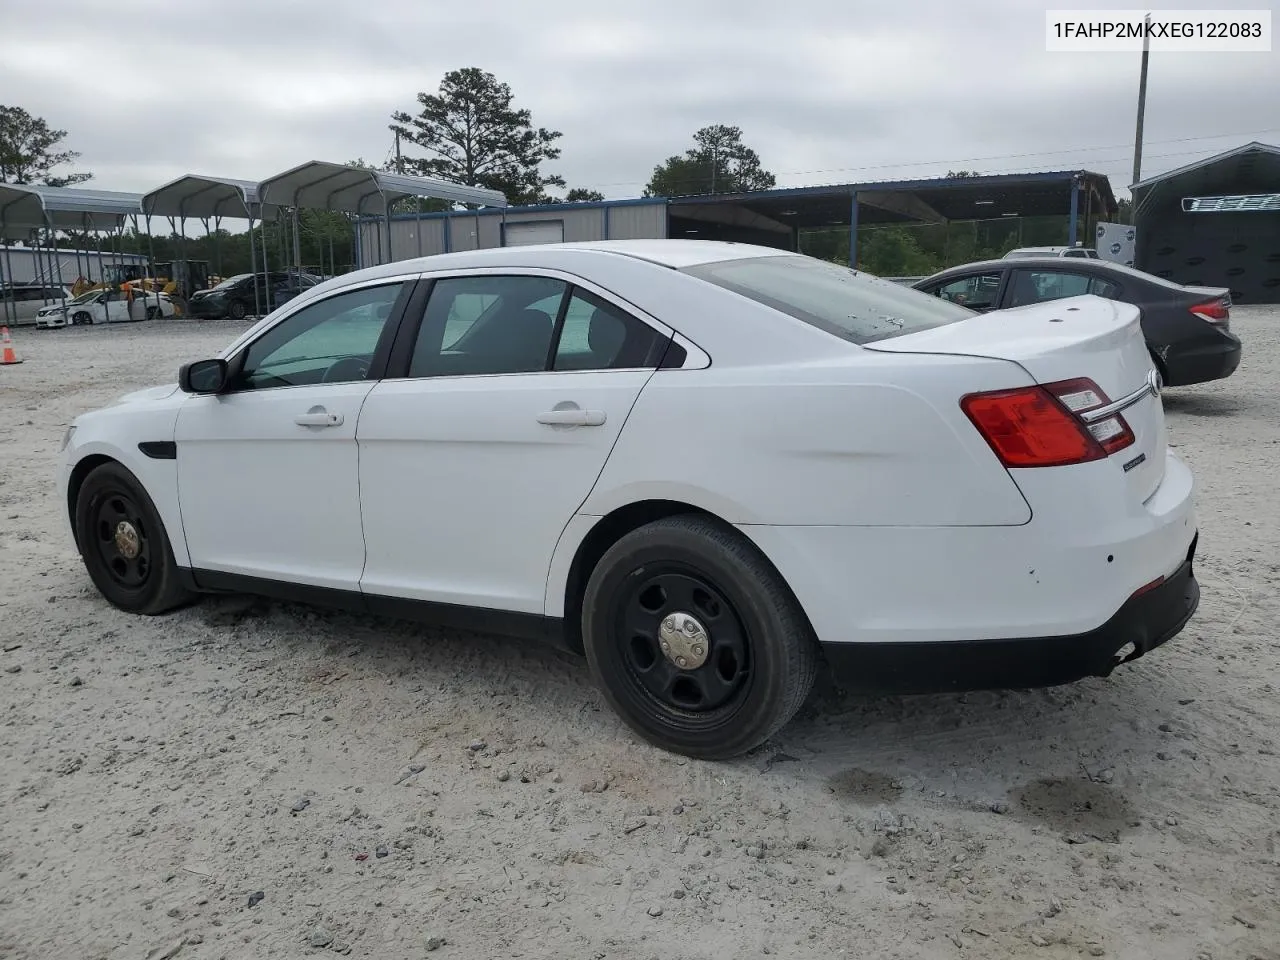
(158, 476)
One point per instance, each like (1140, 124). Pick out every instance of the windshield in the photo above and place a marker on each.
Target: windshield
(87, 297)
(851, 305)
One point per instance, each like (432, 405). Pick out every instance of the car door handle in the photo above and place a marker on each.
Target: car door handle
(318, 418)
(572, 417)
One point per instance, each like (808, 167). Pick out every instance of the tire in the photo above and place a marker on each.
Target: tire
(82, 318)
(154, 313)
(114, 519)
(758, 652)
(237, 310)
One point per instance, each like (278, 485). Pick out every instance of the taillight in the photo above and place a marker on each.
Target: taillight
(1044, 427)
(1214, 311)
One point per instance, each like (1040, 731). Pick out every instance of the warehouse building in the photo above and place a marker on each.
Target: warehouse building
(774, 218)
(1214, 223)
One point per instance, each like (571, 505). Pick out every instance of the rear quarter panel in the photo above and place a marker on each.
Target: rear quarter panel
(861, 440)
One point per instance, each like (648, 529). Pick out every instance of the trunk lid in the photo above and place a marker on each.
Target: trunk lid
(1064, 340)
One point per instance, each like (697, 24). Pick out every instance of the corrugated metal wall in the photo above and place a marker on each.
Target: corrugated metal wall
(624, 221)
(638, 221)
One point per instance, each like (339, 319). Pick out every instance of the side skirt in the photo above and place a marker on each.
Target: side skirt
(524, 626)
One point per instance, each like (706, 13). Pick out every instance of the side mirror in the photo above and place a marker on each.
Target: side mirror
(203, 376)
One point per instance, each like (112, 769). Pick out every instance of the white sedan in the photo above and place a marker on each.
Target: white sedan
(95, 306)
(708, 467)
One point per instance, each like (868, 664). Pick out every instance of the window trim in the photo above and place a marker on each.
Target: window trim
(415, 317)
(381, 351)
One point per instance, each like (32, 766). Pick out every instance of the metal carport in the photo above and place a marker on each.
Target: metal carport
(775, 217)
(32, 207)
(356, 191)
(211, 198)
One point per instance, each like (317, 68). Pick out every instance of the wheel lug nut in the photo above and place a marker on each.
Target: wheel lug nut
(681, 661)
(665, 645)
(669, 623)
(697, 651)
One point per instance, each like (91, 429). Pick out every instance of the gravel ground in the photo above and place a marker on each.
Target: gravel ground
(253, 779)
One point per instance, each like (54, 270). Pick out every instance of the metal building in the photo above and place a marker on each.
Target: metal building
(769, 217)
(1214, 223)
(427, 234)
(46, 264)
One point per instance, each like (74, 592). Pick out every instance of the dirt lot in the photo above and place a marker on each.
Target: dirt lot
(247, 779)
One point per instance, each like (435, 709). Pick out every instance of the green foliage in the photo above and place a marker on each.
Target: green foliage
(917, 250)
(28, 150)
(718, 162)
(582, 194)
(474, 136)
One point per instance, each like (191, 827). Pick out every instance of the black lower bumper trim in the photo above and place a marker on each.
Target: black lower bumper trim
(1146, 621)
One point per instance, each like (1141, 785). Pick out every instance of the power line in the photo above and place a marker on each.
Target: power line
(1007, 156)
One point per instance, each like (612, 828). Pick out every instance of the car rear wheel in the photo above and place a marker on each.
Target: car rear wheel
(124, 545)
(695, 640)
(237, 310)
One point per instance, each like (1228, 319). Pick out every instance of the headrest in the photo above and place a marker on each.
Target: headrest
(605, 336)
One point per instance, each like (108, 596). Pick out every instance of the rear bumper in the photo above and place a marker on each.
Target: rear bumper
(1201, 362)
(1146, 621)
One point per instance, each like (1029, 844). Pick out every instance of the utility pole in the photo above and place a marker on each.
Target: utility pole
(399, 164)
(1142, 101)
(715, 162)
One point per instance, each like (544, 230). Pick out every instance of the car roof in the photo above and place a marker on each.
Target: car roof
(668, 253)
(1004, 263)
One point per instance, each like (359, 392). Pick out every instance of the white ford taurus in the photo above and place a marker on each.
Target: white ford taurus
(709, 467)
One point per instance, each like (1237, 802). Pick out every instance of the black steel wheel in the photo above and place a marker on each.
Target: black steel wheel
(694, 638)
(237, 310)
(124, 545)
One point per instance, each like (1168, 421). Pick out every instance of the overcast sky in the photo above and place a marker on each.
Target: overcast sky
(825, 90)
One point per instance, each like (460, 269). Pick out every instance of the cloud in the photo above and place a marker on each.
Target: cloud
(825, 91)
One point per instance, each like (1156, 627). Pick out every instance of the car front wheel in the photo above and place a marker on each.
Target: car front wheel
(695, 640)
(124, 544)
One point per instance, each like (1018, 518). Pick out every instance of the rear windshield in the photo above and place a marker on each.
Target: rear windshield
(851, 305)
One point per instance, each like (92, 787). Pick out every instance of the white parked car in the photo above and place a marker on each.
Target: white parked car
(707, 466)
(95, 307)
(21, 303)
(1083, 253)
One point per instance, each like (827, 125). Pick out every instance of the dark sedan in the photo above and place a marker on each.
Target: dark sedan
(235, 298)
(1188, 329)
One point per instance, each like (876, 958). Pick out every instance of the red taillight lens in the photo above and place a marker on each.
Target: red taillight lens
(1042, 427)
(1215, 311)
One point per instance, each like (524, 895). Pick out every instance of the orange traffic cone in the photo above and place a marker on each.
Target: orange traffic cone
(9, 355)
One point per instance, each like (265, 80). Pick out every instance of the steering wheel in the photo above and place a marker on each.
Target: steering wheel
(346, 370)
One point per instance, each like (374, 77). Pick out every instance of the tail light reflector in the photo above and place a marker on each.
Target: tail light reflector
(1043, 426)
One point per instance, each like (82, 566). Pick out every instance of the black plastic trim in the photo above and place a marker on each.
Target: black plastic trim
(1147, 621)
(674, 357)
(525, 626)
(159, 449)
(406, 338)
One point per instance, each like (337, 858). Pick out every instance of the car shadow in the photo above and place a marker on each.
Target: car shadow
(1200, 405)
(1040, 755)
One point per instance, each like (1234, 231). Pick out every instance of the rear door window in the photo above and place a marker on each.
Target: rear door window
(854, 306)
(1039, 286)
